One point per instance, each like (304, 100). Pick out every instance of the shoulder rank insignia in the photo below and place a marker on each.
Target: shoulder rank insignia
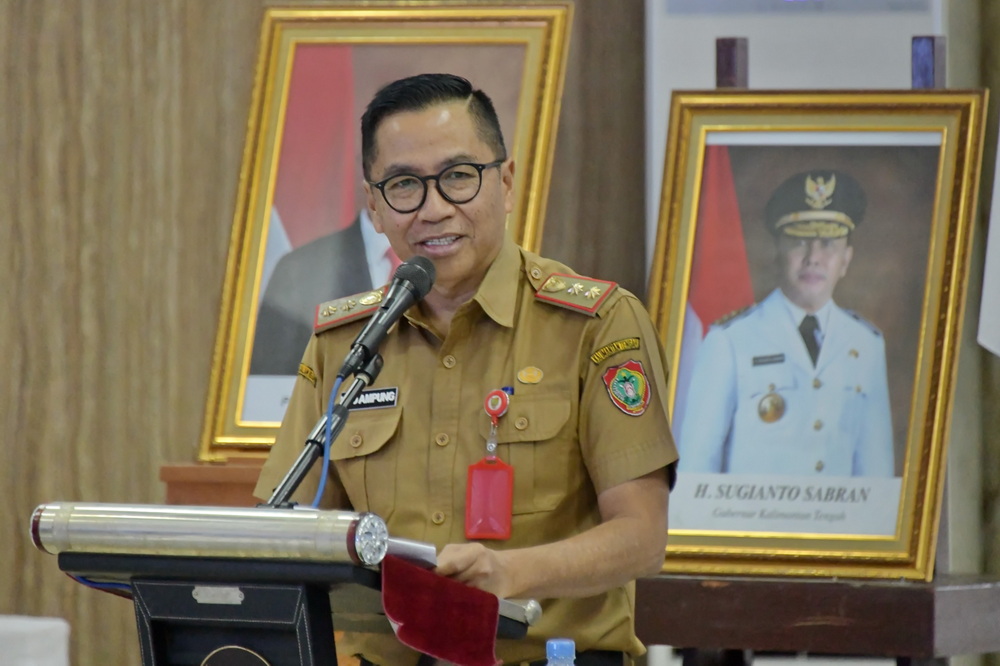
(575, 292)
(864, 322)
(732, 316)
(350, 308)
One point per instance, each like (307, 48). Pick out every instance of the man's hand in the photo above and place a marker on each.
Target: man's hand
(476, 565)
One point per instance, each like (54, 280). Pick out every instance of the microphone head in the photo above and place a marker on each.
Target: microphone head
(418, 271)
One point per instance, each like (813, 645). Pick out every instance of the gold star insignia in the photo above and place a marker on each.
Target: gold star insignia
(576, 289)
(349, 305)
(593, 292)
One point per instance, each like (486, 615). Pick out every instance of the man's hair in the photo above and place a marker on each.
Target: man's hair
(416, 93)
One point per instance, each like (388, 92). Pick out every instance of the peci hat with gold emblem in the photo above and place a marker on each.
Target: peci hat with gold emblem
(822, 203)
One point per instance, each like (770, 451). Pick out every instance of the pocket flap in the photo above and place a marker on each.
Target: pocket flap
(530, 419)
(365, 433)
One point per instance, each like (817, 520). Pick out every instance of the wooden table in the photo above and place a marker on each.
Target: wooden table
(723, 619)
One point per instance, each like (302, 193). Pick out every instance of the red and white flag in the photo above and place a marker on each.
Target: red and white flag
(720, 273)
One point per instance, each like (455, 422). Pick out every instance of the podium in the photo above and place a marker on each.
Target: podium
(268, 591)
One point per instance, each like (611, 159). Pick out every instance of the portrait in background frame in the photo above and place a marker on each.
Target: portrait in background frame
(301, 236)
(812, 451)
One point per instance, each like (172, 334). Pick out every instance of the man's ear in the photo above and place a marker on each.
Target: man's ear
(507, 181)
(371, 206)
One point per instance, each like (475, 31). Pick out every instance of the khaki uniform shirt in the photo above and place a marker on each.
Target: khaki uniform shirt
(564, 435)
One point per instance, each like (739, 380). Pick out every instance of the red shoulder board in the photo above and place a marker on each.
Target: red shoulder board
(575, 292)
(350, 308)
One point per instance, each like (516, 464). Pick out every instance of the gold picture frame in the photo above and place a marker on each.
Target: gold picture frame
(786, 470)
(300, 179)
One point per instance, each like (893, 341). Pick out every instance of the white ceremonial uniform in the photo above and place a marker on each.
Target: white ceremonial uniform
(756, 404)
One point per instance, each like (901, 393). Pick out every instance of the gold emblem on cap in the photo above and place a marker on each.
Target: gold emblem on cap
(820, 191)
(553, 284)
(530, 375)
(771, 407)
(371, 298)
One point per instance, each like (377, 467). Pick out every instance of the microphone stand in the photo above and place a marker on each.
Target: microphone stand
(314, 442)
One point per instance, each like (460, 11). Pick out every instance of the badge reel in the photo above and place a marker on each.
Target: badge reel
(490, 488)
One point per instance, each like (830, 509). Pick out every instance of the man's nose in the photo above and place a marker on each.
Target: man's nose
(435, 205)
(812, 251)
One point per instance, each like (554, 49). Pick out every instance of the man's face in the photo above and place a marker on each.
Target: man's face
(461, 239)
(809, 268)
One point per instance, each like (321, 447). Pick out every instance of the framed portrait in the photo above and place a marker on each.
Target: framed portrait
(301, 236)
(809, 283)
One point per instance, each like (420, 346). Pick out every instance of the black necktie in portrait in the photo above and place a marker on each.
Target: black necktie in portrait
(809, 328)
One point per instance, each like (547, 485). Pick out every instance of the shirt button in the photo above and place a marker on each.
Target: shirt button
(357, 439)
(438, 517)
(817, 383)
(818, 425)
(449, 361)
(536, 272)
(442, 439)
(521, 423)
(857, 389)
(819, 465)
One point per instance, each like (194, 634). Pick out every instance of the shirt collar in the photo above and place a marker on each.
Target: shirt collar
(497, 295)
(798, 314)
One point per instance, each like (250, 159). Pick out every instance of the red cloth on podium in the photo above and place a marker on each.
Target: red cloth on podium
(439, 616)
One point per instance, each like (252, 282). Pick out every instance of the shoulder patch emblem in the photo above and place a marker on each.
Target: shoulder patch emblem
(628, 387)
(307, 373)
(864, 322)
(350, 308)
(575, 292)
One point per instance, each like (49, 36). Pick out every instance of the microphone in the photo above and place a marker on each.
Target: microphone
(410, 283)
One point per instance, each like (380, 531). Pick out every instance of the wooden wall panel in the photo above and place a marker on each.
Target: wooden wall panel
(121, 133)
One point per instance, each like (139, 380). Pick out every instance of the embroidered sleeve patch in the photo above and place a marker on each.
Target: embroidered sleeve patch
(628, 387)
(607, 351)
(307, 373)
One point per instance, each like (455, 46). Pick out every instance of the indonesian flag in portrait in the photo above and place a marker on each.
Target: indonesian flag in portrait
(720, 274)
(314, 192)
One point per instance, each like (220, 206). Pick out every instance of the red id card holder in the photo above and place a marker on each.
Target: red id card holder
(489, 488)
(489, 494)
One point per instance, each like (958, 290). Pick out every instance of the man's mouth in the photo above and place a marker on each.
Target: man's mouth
(439, 242)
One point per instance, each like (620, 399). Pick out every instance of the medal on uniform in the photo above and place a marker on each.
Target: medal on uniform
(771, 407)
(489, 491)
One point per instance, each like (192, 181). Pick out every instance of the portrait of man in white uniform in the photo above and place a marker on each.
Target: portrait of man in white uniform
(795, 384)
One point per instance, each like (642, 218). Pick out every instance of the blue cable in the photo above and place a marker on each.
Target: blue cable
(104, 587)
(327, 439)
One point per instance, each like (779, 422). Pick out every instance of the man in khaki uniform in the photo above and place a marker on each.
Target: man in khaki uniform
(586, 431)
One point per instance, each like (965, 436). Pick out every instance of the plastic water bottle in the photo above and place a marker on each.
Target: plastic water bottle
(560, 652)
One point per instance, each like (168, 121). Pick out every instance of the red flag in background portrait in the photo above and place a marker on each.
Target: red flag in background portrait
(720, 274)
(317, 172)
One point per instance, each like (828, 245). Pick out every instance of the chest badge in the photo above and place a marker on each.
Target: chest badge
(530, 375)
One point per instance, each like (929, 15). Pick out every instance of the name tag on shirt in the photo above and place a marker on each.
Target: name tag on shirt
(770, 359)
(375, 398)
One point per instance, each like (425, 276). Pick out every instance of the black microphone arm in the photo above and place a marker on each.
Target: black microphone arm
(411, 282)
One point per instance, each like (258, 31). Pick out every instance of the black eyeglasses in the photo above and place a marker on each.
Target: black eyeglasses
(459, 184)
